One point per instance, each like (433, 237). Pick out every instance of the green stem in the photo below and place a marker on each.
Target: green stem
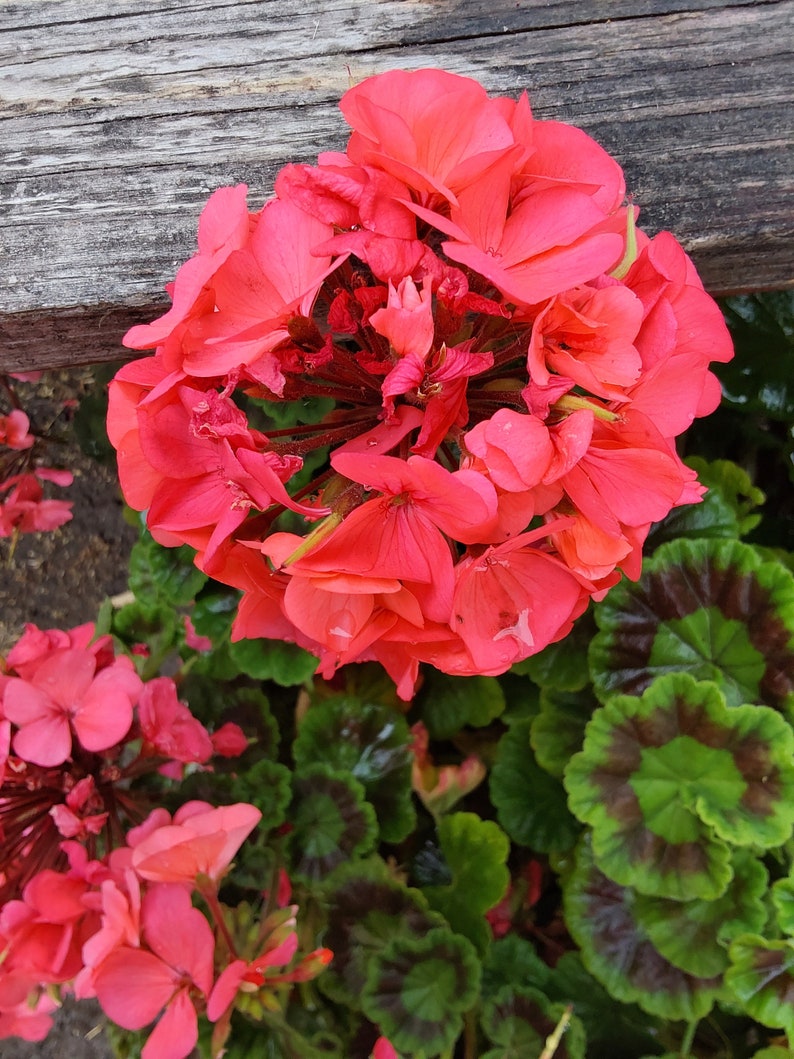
(469, 1035)
(553, 1042)
(689, 1036)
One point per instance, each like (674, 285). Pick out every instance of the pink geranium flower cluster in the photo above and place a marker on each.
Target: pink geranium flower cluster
(94, 908)
(77, 727)
(507, 362)
(23, 506)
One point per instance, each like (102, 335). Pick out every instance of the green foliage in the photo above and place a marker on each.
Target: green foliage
(519, 1019)
(761, 977)
(450, 703)
(530, 804)
(419, 989)
(371, 741)
(668, 780)
(163, 576)
(711, 608)
(331, 821)
(475, 852)
(617, 951)
(284, 663)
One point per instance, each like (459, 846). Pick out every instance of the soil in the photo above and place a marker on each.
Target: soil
(58, 580)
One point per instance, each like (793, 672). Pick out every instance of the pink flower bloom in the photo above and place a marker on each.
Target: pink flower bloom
(168, 726)
(66, 697)
(229, 740)
(14, 430)
(199, 842)
(25, 510)
(459, 286)
(134, 985)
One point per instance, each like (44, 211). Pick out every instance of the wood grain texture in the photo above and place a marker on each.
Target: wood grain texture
(118, 118)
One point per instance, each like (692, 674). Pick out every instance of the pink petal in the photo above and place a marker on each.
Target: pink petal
(133, 985)
(176, 1034)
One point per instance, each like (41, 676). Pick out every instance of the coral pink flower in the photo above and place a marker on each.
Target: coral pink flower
(25, 1008)
(66, 697)
(200, 841)
(25, 510)
(223, 228)
(493, 341)
(134, 985)
(409, 123)
(14, 430)
(168, 726)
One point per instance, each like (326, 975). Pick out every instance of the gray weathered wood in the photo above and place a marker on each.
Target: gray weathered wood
(117, 119)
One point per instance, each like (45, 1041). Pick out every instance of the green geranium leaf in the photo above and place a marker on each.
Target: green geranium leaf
(761, 976)
(530, 804)
(418, 989)
(475, 851)
(772, 1053)
(563, 665)
(558, 730)
(512, 961)
(519, 1019)
(783, 903)
(616, 950)
(725, 510)
(372, 742)
(331, 821)
(694, 935)
(668, 779)
(759, 380)
(267, 785)
(367, 908)
(285, 663)
(156, 626)
(714, 609)
(620, 1031)
(161, 575)
(448, 704)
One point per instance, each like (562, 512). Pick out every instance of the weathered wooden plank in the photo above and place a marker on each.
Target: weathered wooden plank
(116, 121)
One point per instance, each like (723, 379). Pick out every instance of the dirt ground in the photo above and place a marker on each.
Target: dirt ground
(58, 579)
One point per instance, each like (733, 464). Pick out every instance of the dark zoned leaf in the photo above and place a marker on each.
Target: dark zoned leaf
(714, 609)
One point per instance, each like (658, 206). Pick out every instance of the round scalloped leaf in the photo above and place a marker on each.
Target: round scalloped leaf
(618, 953)
(367, 908)
(694, 935)
(285, 663)
(475, 851)
(267, 785)
(725, 510)
(761, 975)
(448, 704)
(163, 576)
(519, 1019)
(783, 901)
(558, 730)
(667, 779)
(371, 741)
(511, 961)
(331, 822)
(617, 1030)
(418, 989)
(530, 804)
(712, 608)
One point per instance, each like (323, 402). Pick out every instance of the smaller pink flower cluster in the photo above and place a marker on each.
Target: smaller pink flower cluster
(509, 361)
(23, 507)
(99, 912)
(124, 929)
(77, 726)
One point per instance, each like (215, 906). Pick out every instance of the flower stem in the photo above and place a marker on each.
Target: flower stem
(553, 1042)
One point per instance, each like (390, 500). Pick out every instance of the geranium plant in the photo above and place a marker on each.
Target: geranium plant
(404, 791)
